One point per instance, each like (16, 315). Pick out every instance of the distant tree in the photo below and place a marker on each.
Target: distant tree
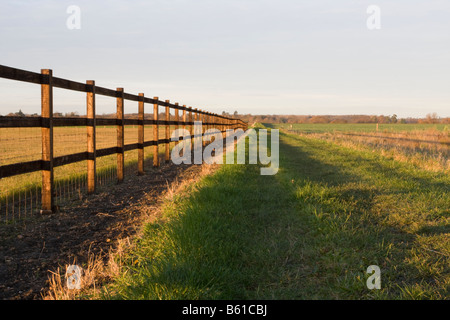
(20, 113)
(432, 118)
(394, 118)
(383, 119)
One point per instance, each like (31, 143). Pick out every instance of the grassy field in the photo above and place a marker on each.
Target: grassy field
(20, 195)
(24, 144)
(308, 232)
(424, 145)
(362, 127)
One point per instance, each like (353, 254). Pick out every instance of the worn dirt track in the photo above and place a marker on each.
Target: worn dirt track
(29, 250)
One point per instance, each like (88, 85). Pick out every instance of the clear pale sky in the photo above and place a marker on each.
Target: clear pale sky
(253, 56)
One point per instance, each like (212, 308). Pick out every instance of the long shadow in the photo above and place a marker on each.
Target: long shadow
(309, 168)
(391, 170)
(335, 175)
(318, 171)
(243, 205)
(236, 214)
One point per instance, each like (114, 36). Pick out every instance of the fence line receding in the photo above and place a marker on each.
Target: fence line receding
(183, 117)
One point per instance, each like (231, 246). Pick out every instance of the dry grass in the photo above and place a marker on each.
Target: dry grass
(94, 273)
(24, 144)
(427, 149)
(20, 195)
(101, 269)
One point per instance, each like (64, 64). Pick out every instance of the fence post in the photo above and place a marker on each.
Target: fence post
(191, 126)
(167, 146)
(218, 123)
(206, 126)
(202, 119)
(184, 120)
(155, 133)
(225, 126)
(47, 143)
(91, 148)
(210, 120)
(141, 134)
(195, 139)
(120, 136)
(177, 118)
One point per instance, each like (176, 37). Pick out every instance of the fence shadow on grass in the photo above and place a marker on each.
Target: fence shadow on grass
(343, 188)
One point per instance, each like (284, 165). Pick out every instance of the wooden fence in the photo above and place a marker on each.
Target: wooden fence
(47, 122)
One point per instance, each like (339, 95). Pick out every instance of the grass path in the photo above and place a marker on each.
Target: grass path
(308, 232)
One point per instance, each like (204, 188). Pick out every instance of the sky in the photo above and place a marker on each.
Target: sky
(252, 56)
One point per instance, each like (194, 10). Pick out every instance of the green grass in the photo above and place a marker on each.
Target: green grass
(308, 232)
(371, 210)
(209, 245)
(360, 127)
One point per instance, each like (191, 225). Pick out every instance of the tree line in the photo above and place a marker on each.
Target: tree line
(251, 118)
(274, 118)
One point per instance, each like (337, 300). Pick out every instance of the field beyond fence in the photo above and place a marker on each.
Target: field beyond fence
(44, 159)
(426, 146)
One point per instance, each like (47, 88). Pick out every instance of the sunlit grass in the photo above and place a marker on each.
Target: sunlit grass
(309, 232)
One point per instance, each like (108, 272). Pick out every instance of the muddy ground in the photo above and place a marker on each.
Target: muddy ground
(29, 250)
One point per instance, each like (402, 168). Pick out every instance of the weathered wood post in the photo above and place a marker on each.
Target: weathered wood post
(120, 136)
(141, 134)
(91, 148)
(184, 117)
(206, 127)
(155, 133)
(191, 126)
(195, 138)
(177, 118)
(202, 119)
(47, 143)
(167, 153)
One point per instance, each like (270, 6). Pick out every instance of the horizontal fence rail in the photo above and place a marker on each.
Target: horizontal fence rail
(185, 117)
